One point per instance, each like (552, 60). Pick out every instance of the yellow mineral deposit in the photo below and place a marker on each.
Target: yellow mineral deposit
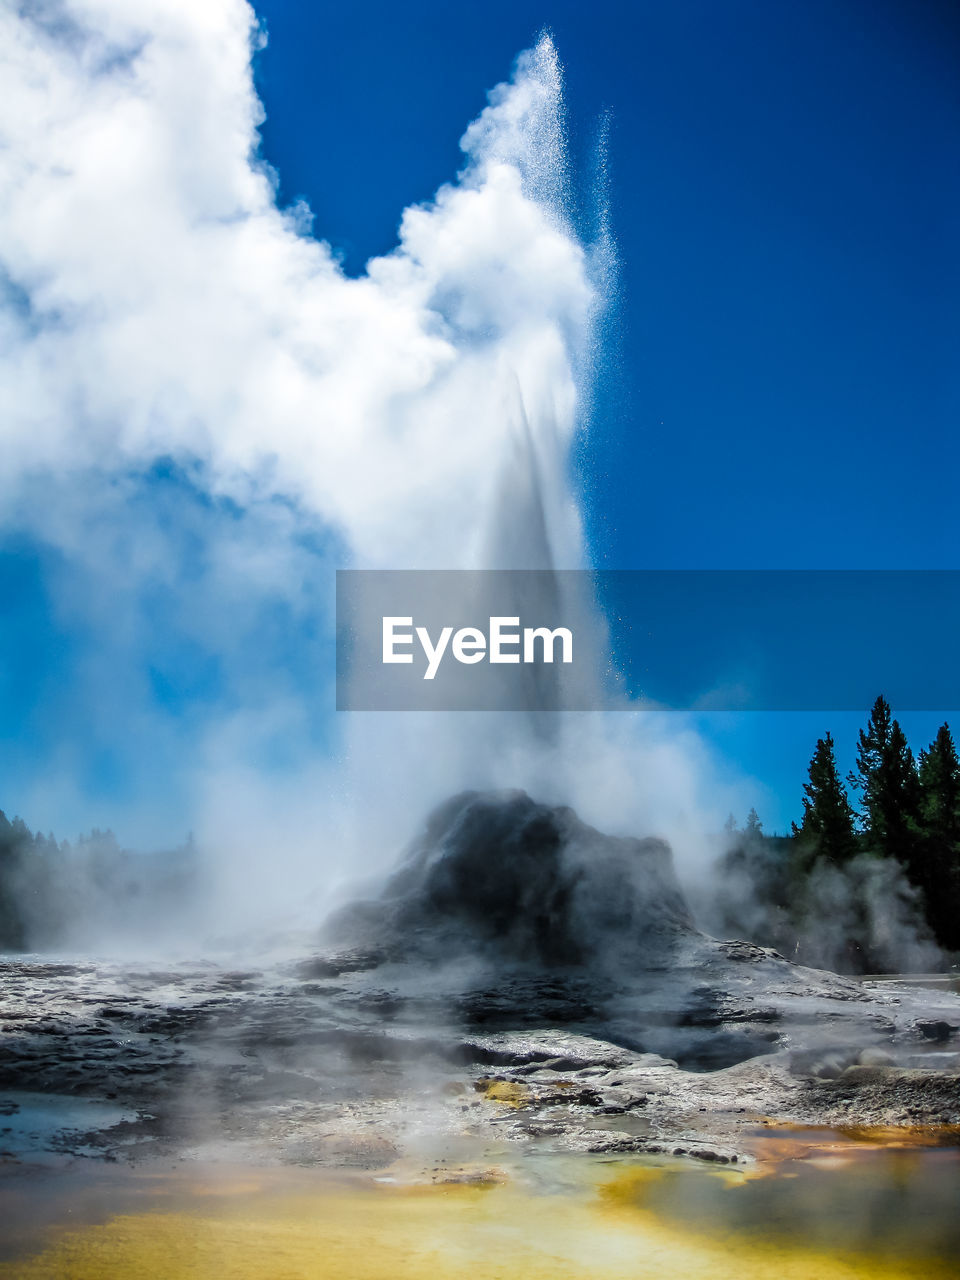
(603, 1220)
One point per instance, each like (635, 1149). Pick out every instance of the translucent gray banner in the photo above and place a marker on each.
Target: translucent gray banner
(725, 640)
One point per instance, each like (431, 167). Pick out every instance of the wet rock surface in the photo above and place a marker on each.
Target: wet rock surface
(559, 997)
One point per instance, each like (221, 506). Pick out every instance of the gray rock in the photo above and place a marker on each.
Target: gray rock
(526, 883)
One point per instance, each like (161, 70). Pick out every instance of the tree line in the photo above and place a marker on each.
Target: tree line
(889, 833)
(867, 881)
(55, 894)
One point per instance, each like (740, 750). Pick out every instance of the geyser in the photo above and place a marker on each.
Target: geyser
(569, 925)
(524, 979)
(421, 413)
(501, 875)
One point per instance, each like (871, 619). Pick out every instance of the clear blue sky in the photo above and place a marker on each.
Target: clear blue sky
(785, 196)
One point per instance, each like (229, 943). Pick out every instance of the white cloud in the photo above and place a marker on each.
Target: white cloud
(163, 304)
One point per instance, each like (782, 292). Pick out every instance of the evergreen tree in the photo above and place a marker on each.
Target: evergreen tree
(827, 825)
(890, 789)
(940, 789)
(939, 867)
(12, 933)
(754, 827)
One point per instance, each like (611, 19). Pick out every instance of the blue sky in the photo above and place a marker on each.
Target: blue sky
(785, 197)
(782, 389)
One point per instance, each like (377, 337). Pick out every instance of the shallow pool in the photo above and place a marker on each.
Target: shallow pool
(817, 1205)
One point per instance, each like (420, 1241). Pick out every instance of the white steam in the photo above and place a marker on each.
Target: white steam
(159, 308)
(160, 304)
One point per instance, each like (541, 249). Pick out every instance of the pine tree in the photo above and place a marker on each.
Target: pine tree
(887, 780)
(12, 933)
(754, 828)
(940, 789)
(939, 867)
(827, 824)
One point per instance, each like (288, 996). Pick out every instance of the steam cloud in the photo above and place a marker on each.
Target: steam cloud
(205, 414)
(159, 304)
(863, 917)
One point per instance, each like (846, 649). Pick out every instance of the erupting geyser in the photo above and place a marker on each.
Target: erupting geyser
(568, 925)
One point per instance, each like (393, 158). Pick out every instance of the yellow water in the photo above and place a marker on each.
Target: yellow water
(823, 1213)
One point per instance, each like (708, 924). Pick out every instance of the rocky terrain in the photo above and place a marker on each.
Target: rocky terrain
(521, 980)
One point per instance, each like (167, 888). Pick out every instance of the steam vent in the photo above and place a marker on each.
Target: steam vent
(524, 916)
(500, 875)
